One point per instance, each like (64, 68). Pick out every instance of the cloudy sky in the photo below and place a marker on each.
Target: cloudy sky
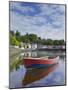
(45, 20)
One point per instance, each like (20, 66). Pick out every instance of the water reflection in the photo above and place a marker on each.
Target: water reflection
(42, 53)
(21, 77)
(37, 74)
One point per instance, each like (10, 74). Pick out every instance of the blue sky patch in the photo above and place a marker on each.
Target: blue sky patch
(34, 18)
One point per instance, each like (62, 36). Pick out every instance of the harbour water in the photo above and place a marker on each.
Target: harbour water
(20, 77)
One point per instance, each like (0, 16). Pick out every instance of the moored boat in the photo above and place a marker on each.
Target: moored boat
(47, 61)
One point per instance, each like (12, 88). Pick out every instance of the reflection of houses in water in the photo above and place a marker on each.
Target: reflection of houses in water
(27, 54)
(34, 54)
(42, 53)
(30, 54)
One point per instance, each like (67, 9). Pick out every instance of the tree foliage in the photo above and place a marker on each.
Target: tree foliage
(16, 38)
(33, 38)
(13, 40)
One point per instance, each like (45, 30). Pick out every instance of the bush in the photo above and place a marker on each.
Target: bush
(13, 41)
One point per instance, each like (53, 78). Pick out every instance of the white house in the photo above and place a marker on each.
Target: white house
(33, 46)
(25, 45)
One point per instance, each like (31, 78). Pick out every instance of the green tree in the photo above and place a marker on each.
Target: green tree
(49, 42)
(55, 42)
(14, 41)
(33, 38)
(18, 37)
(43, 41)
(39, 40)
(25, 38)
(61, 42)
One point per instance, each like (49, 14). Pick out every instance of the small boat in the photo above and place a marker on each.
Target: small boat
(47, 61)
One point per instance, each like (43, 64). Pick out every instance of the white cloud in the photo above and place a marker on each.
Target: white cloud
(37, 24)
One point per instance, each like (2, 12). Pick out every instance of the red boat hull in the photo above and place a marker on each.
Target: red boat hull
(33, 62)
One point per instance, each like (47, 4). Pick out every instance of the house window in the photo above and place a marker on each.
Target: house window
(27, 46)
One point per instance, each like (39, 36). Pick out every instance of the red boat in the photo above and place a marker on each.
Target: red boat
(40, 62)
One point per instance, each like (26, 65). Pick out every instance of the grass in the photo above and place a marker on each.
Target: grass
(16, 61)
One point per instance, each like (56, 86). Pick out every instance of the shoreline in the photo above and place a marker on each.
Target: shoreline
(18, 50)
